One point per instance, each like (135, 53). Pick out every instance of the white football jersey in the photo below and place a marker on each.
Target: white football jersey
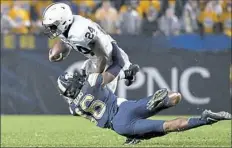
(80, 35)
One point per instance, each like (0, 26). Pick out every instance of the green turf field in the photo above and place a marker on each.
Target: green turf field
(70, 131)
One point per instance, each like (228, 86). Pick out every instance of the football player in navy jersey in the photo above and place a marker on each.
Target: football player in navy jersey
(92, 100)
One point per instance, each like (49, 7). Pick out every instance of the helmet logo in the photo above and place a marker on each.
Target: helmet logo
(68, 75)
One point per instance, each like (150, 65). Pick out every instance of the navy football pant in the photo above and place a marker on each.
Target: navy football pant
(131, 120)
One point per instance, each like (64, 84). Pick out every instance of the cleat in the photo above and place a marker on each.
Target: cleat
(213, 117)
(130, 74)
(132, 141)
(157, 99)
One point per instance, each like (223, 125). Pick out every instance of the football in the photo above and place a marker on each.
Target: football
(59, 51)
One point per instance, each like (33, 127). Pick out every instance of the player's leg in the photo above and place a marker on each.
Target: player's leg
(131, 111)
(120, 66)
(139, 129)
(162, 99)
(123, 120)
(172, 99)
(146, 129)
(129, 70)
(207, 117)
(115, 67)
(149, 106)
(90, 66)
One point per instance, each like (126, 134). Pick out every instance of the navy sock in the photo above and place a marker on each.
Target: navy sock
(196, 122)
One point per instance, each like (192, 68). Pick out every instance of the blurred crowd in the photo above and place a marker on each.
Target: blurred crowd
(231, 80)
(149, 17)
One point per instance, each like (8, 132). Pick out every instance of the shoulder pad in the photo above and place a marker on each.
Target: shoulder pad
(80, 28)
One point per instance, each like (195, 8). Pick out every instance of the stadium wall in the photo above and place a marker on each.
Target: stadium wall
(196, 66)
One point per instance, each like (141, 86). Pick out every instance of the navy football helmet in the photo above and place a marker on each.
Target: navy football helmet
(70, 84)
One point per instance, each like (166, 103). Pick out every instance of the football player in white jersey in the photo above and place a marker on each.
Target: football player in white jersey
(88, 38)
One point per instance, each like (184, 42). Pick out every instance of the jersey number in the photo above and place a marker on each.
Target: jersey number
(90, 34)
(97, 107)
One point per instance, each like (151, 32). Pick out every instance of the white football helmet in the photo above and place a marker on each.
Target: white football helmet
(56, 19)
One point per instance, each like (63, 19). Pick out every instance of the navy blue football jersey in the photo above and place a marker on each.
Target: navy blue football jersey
(95, 102)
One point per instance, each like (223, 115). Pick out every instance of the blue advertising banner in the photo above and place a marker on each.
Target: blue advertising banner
(28, 79)
(187, 42)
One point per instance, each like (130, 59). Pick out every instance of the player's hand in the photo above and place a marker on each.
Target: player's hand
(59, 51)
(55, 57)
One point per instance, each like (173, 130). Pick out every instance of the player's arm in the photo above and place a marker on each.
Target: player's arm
(59, 51)
(117, 61)
(114, 69)
(92, 38)
(97, 79)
